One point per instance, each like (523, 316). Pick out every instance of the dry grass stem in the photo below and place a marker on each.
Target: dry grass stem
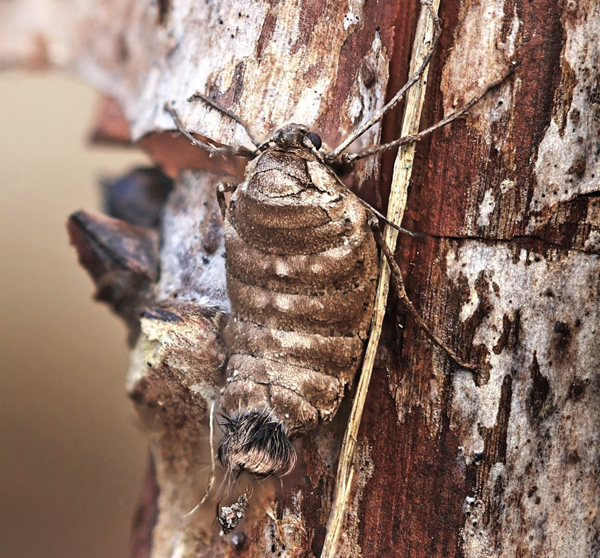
(397, 203)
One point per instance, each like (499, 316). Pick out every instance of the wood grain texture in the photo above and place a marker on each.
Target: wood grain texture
(504, 463)
(508, 276)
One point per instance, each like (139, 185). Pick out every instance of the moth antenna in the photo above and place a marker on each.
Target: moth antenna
(437, 31)
(212, 103)
(351, 158)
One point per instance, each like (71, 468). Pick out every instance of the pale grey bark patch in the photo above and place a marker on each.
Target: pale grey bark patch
(568, 160)
(193, 247)
(549, 463)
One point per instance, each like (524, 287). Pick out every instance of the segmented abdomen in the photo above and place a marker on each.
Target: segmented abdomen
(301, 272)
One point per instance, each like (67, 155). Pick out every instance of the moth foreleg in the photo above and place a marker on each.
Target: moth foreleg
(222, 189)
(211, 103)
(382, 217)
(398, 282)
(211, 149)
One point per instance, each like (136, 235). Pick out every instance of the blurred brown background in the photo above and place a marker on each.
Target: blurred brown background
(71, 459)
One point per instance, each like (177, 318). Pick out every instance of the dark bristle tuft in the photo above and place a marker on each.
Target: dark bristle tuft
(258, 443)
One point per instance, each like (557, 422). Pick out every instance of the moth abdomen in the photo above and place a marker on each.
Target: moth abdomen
(294, 395)
(328, 314)
(302, 266)
(339, 267)
(297, 238)
(318, 388)
(278, 213)
(334, 355)
(284, 405)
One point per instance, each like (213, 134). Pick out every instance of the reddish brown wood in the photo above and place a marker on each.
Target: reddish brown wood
(110, 125)
(175, 153)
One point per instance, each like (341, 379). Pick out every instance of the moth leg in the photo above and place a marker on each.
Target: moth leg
(212, 150)
(222, 189)
(212, 103)
(396, 275)
(380, 216)
(370, 209)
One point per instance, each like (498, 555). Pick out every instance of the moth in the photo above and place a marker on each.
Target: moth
(302, 267)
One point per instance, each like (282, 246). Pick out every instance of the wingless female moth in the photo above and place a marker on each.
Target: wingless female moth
(302, 267)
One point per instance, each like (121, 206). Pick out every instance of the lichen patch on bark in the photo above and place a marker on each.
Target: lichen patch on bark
(568, 159)
(555, 355)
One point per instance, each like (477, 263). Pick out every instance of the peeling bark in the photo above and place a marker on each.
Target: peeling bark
(503, 463)
(122, 259)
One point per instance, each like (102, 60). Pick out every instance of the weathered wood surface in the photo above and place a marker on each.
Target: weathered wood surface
(502, 464)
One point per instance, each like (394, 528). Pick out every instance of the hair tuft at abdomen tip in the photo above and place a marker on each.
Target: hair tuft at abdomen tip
(258, 443)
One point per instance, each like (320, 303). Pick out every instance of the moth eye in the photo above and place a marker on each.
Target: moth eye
(315, 140)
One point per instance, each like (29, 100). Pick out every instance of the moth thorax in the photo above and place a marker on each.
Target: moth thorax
(256, 442)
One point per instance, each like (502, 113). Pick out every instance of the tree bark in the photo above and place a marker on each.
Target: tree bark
(504, 462)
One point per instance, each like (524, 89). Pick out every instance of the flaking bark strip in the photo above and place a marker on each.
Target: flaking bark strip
(122, 260)
(137, 197)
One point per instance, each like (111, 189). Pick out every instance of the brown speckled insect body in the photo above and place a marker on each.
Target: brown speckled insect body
(302, 266)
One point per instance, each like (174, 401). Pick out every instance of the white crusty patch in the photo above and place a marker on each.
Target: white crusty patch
(561, 286)
(568, 157)
(486, 208)
(354, 14)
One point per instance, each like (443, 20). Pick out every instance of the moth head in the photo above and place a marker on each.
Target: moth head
(256, 442)
(297, 135)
